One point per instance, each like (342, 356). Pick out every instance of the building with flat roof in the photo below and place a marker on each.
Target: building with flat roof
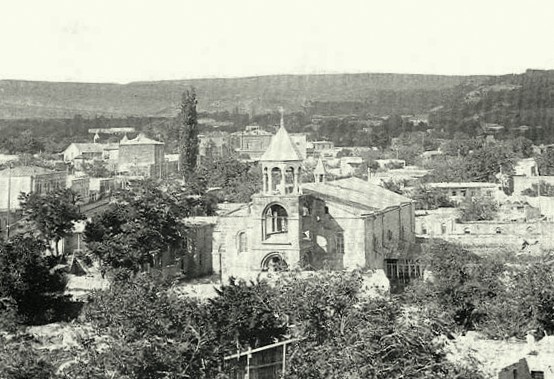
(458, 191)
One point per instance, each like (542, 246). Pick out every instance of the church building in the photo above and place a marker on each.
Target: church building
(342, 224)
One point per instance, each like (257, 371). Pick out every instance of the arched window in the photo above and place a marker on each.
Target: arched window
(276, 220)
(242, 242)
(339, 243)
(289, 180)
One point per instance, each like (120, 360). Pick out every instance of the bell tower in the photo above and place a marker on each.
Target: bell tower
(281, 165)
(276, 216)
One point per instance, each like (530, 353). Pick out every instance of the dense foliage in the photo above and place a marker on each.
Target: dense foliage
(53, 213)
(232, 180)
(500, 295)
(478, 209)
(428, 198)
(29, 284)
(143, 221)
(150, 332)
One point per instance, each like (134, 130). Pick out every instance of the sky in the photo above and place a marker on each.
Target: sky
(123, 41)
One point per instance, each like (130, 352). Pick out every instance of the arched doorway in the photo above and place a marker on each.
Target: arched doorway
(274, 262)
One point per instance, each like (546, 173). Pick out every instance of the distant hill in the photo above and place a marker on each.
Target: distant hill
(376, 93)
(522, 103)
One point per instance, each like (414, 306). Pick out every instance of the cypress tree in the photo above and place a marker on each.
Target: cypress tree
(188, 134)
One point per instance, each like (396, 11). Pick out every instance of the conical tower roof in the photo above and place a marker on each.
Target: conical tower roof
(320, 168)
(281, 148)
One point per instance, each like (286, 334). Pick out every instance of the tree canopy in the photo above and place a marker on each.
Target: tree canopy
(53, 214)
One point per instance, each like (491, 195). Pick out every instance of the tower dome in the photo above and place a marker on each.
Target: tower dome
(281, 164)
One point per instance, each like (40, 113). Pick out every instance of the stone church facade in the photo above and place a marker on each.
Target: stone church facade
(341, 224)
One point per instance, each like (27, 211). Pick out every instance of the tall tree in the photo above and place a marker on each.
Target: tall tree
(53, 214)
(188, 135)
(143, 220)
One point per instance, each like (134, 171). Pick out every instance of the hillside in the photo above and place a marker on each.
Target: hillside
(376, 93)
(523, 104)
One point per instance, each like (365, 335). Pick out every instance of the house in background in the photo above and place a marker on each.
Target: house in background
(82, 153)
(458, 192)
(25, 179)
(88, 151)
(253, 142)
(324, 149)
(141, 156)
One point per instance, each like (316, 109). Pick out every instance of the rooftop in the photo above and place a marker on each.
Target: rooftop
(89, 147)
(357, 192)
(463, 185)
(319, 168)
(21, 171)
(281, 148)
(141, 139)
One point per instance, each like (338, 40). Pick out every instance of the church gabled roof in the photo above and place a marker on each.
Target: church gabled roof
(281, 148)
(357, 193)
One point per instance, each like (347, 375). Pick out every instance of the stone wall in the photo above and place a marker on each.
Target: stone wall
(133, 157)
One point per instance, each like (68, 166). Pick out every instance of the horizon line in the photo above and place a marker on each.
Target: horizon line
(232, 77)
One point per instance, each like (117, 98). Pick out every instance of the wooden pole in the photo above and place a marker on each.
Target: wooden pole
(248, 363)
(8, 221)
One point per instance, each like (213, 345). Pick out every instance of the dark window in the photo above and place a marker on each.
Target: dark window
(537, 374)
(276, 220)
(339, 239)
(326, 210)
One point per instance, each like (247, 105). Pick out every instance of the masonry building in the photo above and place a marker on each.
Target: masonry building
(141, 156)
(342, 224)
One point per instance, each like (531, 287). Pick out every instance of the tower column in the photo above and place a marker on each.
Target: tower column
(295, 174)
(283, 179)
(270, 180)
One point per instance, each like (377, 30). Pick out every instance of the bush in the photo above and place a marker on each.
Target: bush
(27, 277)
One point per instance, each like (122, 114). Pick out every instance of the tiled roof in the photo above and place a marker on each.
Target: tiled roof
(141, 139)
(359, 193)
(281, 148)
(25, 171)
